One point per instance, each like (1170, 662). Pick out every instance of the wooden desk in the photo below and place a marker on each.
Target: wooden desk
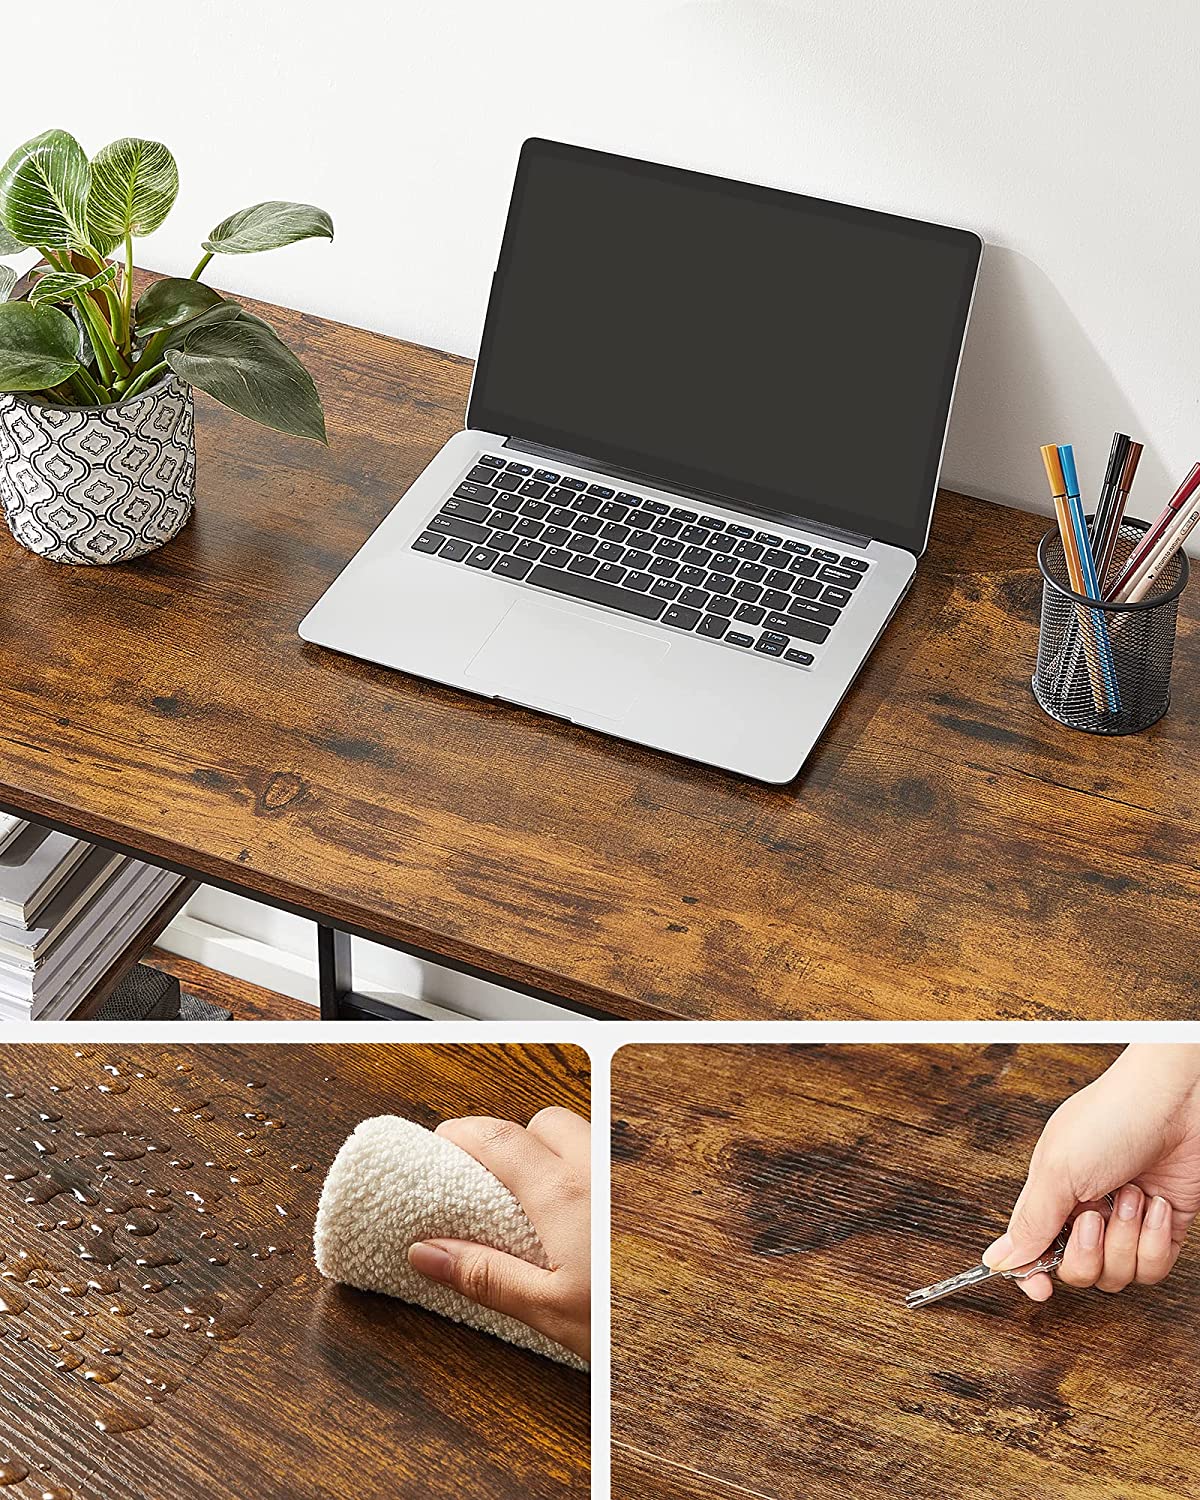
(949, 851)
(772, 1206)
(306, 1390)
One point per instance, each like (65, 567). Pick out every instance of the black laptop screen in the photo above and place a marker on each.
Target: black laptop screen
(792, 355)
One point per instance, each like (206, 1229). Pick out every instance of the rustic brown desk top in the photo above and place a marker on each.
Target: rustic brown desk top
(772, 1206)
(948, 851)
(225, 1367)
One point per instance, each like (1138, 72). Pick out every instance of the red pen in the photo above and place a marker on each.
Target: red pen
(1157, 531)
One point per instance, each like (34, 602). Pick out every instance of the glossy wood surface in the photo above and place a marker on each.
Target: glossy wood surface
(948, 851)
(771, 1208)
(163, 1330)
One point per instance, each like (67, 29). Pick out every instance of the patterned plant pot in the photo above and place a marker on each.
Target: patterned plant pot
(100, 484)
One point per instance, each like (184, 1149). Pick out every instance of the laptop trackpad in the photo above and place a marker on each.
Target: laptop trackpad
(541, 655)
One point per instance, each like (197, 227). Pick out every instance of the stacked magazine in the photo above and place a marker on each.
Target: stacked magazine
(68, 910)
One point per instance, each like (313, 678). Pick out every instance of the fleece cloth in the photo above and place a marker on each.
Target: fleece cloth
(394, 1183)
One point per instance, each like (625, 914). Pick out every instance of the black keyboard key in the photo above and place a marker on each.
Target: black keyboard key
(696, 535)
(428, 541)
(719, 583)
(751, 551)
(609, 551)
(627, 499)
(840, 576)
(664, 526)
(681, 618)
(455, 551)
(571, 483)
(801, 549)
(482, 557)
(532, 550)
(587, 504)
(556, 557)
(663, 567)
(635, 557)
(611, 511)
(696, 557)
(582, 544)
(775, 599)
(644, 540)
(656, 507)
(768, 539)
(521, 469)
(827, 614)
(735, 638)
(752, 572)
(775, 557)
(596, 592)
(795, 623)
(639, 581)
(840, 597)
(713, 523)
(663, 588)
(469, 510)
(719, 606)
(561, 515)
(613, 532)
(739, 530)
(822, 555)
(534, 506)
(771, 645)
(503, 520)
(556, 536)
(585, 565)
(602, 490)
(589, 525)
(683, 515)
(750, 614)
(691, 575)
(723, 565)
(507, 481)
(723, 543)
(749, 592)
(466, 531)
(467, 491)
(667, 546)
(503, 541)
(694, 598)
(610, 573)
(801, 658)
(712, 626)
(805, 566)
(525, 527)
(808, 588)
(492, 461)
(778, 578)
(480, 474)
(512, 567)
(855, 564)
(548, 476)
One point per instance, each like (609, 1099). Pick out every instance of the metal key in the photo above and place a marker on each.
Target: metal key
(1050, 1261)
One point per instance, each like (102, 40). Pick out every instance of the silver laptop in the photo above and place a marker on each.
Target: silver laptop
(699, 463)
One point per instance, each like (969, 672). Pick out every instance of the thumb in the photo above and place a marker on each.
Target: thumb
(504, 1283)
(1043, 1207)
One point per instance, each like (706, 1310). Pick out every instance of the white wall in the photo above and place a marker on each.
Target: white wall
(1066, 132)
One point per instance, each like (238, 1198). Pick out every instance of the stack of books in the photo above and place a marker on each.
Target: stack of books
(68, 910)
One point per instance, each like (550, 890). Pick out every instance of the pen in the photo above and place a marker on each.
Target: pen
(1158, 529)
(1087, 565)
(1153, 567)
(1066, 531)
(1107, 545)
(1108, 490)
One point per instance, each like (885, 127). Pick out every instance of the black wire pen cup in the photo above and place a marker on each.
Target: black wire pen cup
(1106, 668)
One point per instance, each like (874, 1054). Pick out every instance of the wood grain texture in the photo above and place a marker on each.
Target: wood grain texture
(248, 1002)
(164, 1284)
(772, 1206)
(948, 852)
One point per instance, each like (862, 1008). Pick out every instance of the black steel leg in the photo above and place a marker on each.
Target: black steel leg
(335, 976)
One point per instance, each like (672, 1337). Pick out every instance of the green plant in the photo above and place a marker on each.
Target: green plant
(79, 339)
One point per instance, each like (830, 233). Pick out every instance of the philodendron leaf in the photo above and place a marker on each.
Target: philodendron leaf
(57, 286)
(267, 226)
(9, 243)
(246, 366)
(44, 191)
(37, 347)
(220, 312)
(134, 184)
(8, 280)
(172, 301)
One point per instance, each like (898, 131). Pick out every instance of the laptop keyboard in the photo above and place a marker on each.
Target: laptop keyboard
(714, 578)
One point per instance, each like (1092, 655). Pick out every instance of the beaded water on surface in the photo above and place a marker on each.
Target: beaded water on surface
(1073, 682)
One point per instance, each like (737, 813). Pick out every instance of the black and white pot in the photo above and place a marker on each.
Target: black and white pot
(98, 484)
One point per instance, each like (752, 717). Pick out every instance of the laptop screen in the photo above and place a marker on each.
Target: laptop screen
(793, 356)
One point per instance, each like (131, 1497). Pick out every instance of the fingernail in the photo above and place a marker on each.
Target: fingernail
(1156, 1214)
(431, 1261)
(1090, 1225)
(999, 1251)
(1128, 1201)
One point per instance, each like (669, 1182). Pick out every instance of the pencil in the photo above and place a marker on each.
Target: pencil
(1158, 529)
(1066, 531)
(1154, 565)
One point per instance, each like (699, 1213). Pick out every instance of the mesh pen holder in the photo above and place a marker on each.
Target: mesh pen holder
(1106, 668)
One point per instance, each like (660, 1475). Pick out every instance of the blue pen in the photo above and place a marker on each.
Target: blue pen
(1087, 561)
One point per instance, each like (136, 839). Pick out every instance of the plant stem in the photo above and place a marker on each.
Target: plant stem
(149, 355)
(83, 381)
(203, 261)
(99, 331)
(147, 377)
(128, 290)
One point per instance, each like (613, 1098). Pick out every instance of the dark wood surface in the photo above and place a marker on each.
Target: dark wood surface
(275, 1384)
(248, 1002)
(121, 966)
(949, 851)
(772, 1206)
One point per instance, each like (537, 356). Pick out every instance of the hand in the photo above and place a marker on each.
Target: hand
(1135, 1134)
(547, 1169)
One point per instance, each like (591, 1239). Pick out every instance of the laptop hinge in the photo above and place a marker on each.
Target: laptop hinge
(582, 461)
